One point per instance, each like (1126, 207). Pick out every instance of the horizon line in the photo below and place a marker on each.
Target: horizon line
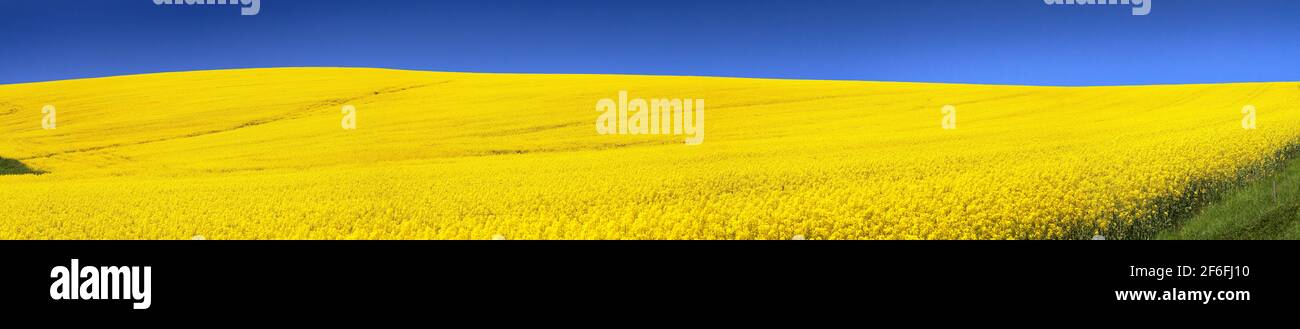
(647, 75)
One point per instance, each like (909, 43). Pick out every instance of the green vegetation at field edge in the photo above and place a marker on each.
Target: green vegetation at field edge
(1266, 209)
(13, 167)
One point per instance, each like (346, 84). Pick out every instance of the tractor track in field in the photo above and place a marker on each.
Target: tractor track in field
(303, 111)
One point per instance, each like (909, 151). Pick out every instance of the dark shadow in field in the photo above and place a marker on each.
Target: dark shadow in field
(13, 167)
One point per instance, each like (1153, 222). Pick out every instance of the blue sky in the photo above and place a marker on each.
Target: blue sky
(968, 41)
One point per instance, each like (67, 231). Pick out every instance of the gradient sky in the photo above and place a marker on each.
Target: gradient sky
(967, 41)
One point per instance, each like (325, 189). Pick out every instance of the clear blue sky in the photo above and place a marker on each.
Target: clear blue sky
(968, 41)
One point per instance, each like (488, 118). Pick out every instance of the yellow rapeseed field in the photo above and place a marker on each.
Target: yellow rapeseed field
(261, 154)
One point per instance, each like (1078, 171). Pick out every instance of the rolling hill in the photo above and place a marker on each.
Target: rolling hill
(261, 154)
